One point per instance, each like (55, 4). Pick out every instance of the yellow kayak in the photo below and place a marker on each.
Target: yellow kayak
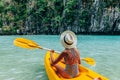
(85, 73)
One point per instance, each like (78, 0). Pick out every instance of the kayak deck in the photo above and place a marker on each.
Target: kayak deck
(85, 73)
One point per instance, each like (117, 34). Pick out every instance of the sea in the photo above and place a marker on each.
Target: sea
(18, 63)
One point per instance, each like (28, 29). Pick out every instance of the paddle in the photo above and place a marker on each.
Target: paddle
(89, 60)
(29, 44)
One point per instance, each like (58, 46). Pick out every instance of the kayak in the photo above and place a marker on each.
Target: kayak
(85, 73)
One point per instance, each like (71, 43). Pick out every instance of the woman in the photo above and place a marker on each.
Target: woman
(70, 54)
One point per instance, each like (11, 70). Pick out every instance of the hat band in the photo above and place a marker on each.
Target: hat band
(67, 42)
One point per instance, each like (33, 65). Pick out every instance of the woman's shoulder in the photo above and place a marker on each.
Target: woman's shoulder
(65, 51)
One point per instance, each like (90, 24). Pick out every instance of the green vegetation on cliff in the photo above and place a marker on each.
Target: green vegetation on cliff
(55, 16)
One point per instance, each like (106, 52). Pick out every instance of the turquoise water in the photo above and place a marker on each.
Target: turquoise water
(24, 64)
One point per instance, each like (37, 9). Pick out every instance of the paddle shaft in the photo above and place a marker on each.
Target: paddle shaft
(48, 49)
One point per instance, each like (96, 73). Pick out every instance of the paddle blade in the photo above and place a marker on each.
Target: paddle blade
(25, 43)
(90, 61)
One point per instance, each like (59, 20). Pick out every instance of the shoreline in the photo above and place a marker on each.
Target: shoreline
(80, 33)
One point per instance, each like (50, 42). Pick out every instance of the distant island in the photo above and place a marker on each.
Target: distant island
(28, 17)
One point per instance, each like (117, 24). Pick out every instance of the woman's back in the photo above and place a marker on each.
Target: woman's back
(71, 61)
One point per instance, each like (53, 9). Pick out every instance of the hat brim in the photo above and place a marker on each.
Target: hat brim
(74, 39)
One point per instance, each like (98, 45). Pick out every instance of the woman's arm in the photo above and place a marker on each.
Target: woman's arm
(53, 62)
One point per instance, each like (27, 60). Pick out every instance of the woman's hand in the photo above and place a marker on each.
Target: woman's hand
(52, 51)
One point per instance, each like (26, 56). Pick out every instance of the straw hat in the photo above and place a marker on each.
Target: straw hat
(68, 39)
